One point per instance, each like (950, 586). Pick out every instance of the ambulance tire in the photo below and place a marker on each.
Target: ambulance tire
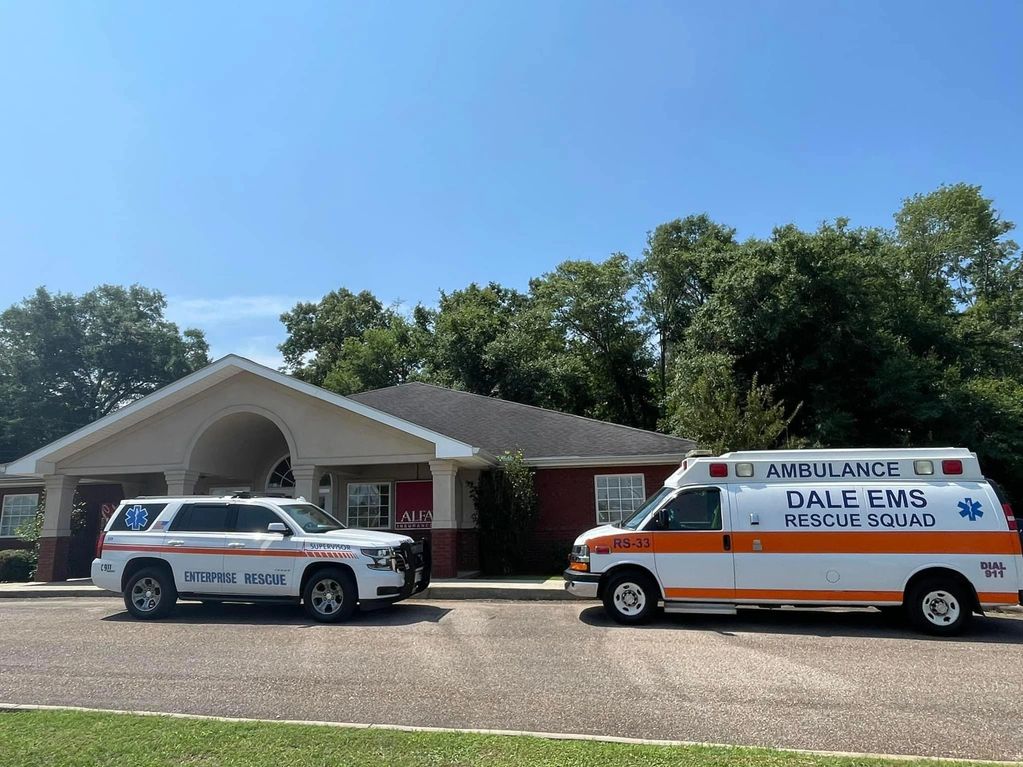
(631, 597)
(150, 593)
(331, 595)
(939, 606)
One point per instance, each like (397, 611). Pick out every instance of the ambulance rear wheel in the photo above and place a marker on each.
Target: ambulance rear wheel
(939, 606)
(631, 597)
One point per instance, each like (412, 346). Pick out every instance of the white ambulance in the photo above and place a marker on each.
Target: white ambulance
(917, 529)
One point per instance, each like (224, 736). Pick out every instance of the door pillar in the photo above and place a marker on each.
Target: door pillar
(55, 537)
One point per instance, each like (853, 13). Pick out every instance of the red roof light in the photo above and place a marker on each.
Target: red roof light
(719, 469)
(952, 466)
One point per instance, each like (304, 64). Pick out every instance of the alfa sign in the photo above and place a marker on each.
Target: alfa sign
(413, 505)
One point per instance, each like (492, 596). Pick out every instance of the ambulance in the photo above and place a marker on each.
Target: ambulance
(918, 530)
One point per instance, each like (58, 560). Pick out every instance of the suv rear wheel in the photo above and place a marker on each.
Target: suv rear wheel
(150, 593)
(631, 597)
(330, 595)
(940, 606)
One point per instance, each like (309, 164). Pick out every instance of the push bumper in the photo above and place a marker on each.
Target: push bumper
(582, 585)
(416, 576)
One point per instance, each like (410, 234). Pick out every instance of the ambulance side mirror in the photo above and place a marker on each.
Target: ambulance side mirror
(278, 527)
(661, 519)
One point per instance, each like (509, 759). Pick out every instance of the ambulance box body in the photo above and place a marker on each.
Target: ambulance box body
(917, 529)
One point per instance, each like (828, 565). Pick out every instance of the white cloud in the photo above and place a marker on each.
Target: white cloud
(211, 311)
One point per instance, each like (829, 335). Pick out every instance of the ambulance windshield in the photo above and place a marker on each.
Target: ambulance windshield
(633, 522)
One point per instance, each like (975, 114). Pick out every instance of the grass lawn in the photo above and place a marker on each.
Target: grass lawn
(72, 738)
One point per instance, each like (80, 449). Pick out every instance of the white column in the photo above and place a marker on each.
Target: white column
(445, 494)
(60, 499)
(181, 481)
(307, 481)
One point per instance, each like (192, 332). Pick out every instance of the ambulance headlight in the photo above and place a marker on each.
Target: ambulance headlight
(383, 559)
(579, 559)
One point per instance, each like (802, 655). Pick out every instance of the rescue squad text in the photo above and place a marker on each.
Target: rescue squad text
(877, 498)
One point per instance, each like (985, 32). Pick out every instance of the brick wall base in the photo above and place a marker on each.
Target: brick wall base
(444, 550)
(53, 559)
(468, 549)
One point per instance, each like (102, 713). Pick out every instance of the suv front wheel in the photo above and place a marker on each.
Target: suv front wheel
(150, 593)
(330, 595)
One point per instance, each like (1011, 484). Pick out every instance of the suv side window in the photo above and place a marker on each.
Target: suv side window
(203, 518)
(254, 519)
(694, 510)
(136, 517)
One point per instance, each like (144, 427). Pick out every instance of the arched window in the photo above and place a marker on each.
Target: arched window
(281, 476)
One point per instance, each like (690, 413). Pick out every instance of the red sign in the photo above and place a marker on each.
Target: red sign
(413, 505)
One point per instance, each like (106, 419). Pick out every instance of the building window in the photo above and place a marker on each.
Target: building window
(16, 511)
(369, 505)
(618, 495)
(281, 476)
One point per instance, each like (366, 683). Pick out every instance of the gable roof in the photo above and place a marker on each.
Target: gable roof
(544, 436)
(42, 461)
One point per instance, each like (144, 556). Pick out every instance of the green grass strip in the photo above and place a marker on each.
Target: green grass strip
(86, 739)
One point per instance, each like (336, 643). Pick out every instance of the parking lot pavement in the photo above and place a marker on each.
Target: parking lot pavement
(843, 681)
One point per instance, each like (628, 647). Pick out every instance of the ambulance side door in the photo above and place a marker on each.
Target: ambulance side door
(692, 543)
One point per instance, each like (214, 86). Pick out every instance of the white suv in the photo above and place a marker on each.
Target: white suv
(243, 549)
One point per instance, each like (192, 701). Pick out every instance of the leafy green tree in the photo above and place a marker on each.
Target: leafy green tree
(676, 277)
(468, 322)
(593, 305)
(708, 405)
(67, 360)
(317, 331)
(379, 357)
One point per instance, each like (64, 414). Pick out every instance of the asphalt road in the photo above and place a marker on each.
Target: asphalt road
(844, 681)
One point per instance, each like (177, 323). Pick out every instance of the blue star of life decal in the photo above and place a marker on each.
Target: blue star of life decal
(135, 518)
(970, 509)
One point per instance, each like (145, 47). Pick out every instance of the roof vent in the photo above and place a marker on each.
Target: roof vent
(700, 454)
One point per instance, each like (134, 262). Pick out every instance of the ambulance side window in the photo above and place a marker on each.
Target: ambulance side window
(694, 510)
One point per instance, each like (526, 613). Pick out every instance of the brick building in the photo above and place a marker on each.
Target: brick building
(401, 458)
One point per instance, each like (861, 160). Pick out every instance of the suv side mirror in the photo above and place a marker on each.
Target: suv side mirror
(278, 527)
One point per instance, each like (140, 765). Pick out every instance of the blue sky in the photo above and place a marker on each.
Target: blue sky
(242, 156)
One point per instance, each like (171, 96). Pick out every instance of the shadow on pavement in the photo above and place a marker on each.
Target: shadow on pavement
(822, 623)
(214, 613)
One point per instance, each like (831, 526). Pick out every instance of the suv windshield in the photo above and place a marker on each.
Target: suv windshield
(639, 514)
(312, 519)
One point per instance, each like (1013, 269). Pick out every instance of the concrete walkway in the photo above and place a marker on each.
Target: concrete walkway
(538, 588)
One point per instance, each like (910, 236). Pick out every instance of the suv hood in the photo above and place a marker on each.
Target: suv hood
(366, 538)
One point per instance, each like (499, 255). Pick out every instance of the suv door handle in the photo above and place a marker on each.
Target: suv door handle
(235, 545)
(175, 543)
(728, 542)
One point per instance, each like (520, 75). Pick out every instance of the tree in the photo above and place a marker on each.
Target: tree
(317, 331)
(379, 357)
(708, 405)
(594, 306)
(676, 277)
(67, 360)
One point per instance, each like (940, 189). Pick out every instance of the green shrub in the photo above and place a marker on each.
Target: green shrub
(506, 512)
(16, 565)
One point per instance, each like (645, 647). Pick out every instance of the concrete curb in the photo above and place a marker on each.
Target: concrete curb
(506, 733)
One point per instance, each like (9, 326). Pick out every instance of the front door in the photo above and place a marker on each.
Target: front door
(260, 562)
(195, 544)
(693, 546)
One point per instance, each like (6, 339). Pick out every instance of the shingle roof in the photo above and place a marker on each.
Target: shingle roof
(497, 425)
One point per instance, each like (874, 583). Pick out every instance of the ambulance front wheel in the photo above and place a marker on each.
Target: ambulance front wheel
(939, 606)
(631, 597)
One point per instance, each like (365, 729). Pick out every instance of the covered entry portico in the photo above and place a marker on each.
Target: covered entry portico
(238, 425)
